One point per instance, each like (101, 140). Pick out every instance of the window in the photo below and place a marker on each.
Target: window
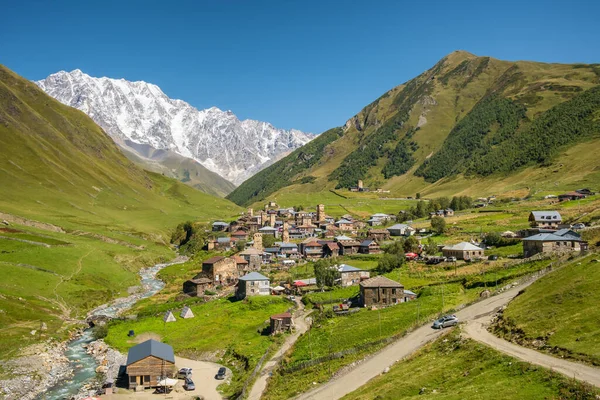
(393, 291)
(393, 300)
(252, 283)
(132, 378)
(146, 378)
(383, 291)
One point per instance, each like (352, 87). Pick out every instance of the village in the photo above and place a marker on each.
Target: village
(300, 255)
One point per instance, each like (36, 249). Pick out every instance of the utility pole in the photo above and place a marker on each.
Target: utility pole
(442, 297)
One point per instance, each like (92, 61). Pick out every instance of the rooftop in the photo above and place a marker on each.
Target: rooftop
(213, 260)
(462, 246)
(348, 268)
(150, 348)
(546, 215)
(254, 276)
(380, 281)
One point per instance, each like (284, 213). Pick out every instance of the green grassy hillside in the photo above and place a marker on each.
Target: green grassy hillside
(456, 368)
(559, 313)
(469, 125)
(82, 218)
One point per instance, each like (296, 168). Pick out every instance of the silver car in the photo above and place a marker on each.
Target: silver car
(444, 322)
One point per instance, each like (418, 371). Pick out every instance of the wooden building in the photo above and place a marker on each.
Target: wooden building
(381, 292)
(545, 219)
(369, 246)
(281, 323)
(348, 247)
(311, 249)
(148, 363)
(197, 286)
(378, 234)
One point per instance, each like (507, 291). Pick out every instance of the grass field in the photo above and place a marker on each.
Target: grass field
(223, 330)
(453, 368)
(358, 334)
(559, 313)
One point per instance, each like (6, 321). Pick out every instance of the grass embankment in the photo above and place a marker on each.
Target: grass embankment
(225, 330)
(315, 357)
(58, 167)
(453, 368)
(559, 313)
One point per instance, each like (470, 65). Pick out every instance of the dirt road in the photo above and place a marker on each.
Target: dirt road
(476, 330)
(261, 383)
(402, 348)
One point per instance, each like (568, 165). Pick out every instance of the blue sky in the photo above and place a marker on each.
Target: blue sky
(307, 64)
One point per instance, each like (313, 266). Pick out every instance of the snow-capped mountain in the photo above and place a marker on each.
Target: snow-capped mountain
(142, 113)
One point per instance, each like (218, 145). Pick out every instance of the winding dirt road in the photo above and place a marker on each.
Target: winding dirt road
(476, 330)
(261, 383)
(404, 347)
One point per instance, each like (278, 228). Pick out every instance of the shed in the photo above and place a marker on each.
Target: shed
(281, 323)
(186, 313)
(169, 317)
(148, 363)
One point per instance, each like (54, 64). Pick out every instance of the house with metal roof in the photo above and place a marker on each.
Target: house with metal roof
(545, 219)
(344, 224)
(463, 251)
(369, 246)
(252, 284)
(561, 241)
(219, 226)
(350, 275)
(148, 363)
(401, 230)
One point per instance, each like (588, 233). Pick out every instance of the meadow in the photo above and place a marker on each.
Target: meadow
(453, 368)
(559, 313)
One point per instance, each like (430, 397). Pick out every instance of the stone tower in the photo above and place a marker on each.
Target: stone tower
(321, 212)
(257, 238)
(250, 212)
(285, 236)
(360, 184)
(272, 220)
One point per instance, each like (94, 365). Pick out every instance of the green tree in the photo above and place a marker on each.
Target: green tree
(395, 248)
(389, 262)
(268, 240)
(438, 225)
(411, 244)
(324, 273)
(430, 247)
(418, 196)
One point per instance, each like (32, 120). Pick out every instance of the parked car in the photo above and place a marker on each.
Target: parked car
(184, 373)
(493, 257)
(578, 226)
(451, 259)
(445, 321)
(189, 384)
(292, 298)
(221, 374)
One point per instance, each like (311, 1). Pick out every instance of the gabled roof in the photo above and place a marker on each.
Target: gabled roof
(567, 233)
(378, 231)
(223, 240)
(342, 238)
(251, 252)
(200, 281)
(348, 268)
(213, 260)
(367, 242)
(550, 237)
(150, 348)
(462, 246)
(285, 245)
(254, 276)
(379, 215)
(239, 260)
(281, 316)
(406, 291)
(267, 228)
(220, 223)
(380, 281)
(546, 216)
(239, 233)
(343, 221)
(399, 226)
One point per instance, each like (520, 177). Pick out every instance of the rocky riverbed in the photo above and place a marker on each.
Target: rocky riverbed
(70, 370)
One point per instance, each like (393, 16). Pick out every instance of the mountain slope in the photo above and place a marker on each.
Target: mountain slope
(472, 125)
(173, 165)
(77, 218)
(142, 113)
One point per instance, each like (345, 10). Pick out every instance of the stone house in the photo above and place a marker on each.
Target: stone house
(197, 286)
(254, 258)
(311, 248)
(378, 234)
(380, 292)
(463, 251)
(222, 270)
(348, 247)
(350, 275)
(148, 362)
(252, 284)
(330, 249)
(239, 235)
(561, 241)
(344, 225)
(219, 226)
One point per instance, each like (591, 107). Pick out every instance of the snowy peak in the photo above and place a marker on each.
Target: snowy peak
(141, 112)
